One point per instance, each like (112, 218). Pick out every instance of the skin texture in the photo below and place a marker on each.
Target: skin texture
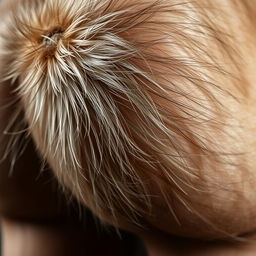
(168, 246)
(193, 175)
(59, 241)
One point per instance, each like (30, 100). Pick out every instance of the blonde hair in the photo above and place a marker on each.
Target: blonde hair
(121, 98)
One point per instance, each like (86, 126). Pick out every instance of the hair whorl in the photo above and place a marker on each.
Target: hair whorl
(115, 96)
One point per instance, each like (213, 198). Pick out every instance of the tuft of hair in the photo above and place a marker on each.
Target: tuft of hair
(121, 98)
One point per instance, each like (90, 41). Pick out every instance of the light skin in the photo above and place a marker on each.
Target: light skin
(230, 202)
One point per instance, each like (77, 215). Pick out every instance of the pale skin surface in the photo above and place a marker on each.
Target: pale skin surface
(171, 246)
(157, 244)
(37, 239)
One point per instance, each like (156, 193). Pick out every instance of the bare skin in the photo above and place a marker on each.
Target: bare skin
(25, 238)
(174, 246)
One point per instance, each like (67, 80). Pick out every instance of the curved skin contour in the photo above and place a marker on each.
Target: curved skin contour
(145, 111)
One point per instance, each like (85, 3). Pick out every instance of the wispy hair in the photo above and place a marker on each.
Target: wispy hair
(121, 98)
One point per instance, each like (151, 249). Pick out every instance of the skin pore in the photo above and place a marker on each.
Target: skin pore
(148, 118)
